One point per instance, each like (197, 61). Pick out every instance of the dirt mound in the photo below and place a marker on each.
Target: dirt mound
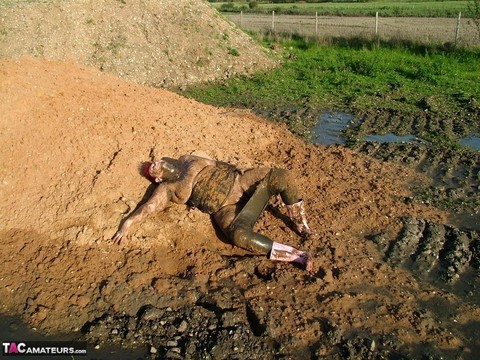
(72, 140)
(153, 42)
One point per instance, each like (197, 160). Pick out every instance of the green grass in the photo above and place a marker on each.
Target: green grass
(448, 8)
(361, 78)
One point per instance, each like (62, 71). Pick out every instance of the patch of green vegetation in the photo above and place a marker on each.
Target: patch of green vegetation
(401, 82)
(116, 43)
(426, 8)
(233, 51)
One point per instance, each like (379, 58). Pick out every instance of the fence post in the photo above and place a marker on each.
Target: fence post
(273, 21)
(457, 32)
(376, 24)
(241, 18)
(316, 24)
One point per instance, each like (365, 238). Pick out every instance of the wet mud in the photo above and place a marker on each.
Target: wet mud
(207, 329)
(442, 254)
(221, 320)
(428, 116)
(454, 174)
(454, 169)
(222, 324)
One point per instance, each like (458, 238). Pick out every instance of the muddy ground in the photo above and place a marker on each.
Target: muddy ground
(437, 152)
(73, 138)
(429, 142)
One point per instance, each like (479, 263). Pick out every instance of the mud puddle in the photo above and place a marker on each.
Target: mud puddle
(472, 142)
(329, 129)
(331, 126)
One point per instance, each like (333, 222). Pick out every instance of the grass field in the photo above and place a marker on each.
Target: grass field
(412, 82)
(385, 7)
(422, 30)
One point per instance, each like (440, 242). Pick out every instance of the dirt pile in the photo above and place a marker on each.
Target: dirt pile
(72, 139)
(154, 42)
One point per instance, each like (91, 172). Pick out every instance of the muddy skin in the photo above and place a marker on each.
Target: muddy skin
(208, 198)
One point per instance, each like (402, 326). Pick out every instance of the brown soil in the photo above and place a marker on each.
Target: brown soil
(72, 140)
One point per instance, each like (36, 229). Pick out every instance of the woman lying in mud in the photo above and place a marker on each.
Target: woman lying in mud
(235, 198)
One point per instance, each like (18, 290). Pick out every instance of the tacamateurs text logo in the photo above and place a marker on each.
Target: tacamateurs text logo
(14, 348)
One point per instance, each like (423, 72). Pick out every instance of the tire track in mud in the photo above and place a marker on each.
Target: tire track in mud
(455, 170)
(441, 254)
(455, 174)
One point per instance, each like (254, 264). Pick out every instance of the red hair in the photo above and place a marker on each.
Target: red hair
(146, 171)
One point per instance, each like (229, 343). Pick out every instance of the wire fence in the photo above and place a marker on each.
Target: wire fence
(455, 31)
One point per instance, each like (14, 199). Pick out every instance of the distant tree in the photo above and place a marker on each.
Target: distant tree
(227, 6)
(253, 4)
(474, 12)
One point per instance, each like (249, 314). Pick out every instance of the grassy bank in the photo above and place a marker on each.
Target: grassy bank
(409, 82)
(385, 7)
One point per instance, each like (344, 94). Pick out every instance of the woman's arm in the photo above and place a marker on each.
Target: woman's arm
(157, 202)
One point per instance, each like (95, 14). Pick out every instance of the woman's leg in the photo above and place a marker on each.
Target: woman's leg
(237, 223)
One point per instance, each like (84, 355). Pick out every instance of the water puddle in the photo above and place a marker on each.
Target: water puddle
(472, 142)
(13, 329)
(328, 130)
(330, 125)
